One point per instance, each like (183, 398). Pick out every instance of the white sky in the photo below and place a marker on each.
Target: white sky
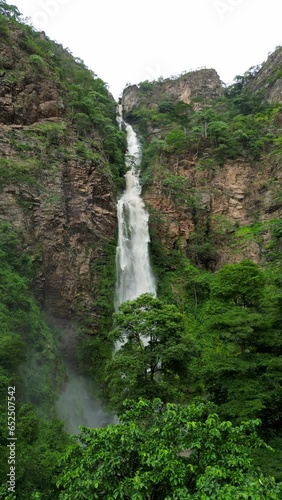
(126, 41)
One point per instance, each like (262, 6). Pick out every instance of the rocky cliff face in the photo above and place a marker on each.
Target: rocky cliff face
(56, 184)
(223, 202)
(29, 90)
(200, 85)
(269, 78)
(215, 209)
(66, 216)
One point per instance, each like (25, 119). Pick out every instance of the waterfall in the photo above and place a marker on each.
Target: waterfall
(134, 273)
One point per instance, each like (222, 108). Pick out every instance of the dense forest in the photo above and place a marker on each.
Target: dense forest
(198, 406)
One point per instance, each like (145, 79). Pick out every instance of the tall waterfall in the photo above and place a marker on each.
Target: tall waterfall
(134, 273)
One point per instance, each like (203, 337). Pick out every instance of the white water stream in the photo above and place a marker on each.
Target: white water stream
(134, 273)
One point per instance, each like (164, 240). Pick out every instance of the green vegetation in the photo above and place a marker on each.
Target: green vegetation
(26, 340)
(29, 360)
(39, 448)
(82, 104)
(196, 364)
(240, 124)
(168, 451)
(153, 360)
(62, 115)
(96, 347)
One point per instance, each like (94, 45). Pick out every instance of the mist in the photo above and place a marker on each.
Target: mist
(78, 406)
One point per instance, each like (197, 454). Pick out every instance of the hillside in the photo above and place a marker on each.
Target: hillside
(61, 166)
(212, 162)
(211, 173)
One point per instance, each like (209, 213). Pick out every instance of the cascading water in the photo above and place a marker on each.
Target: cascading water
(76, 405)
(134, 273)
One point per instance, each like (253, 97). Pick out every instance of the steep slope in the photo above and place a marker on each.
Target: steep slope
(211, 174)
(62, 162)
(61, 166)
(268, 77)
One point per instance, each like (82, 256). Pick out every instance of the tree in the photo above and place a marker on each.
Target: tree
(153, 360)
(242, 364)
(176, 141)
(40, 447)
(240, 284)
(177, 187)
(167, 452)
(10, 11)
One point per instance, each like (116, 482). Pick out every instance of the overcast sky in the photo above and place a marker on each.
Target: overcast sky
(126, 41)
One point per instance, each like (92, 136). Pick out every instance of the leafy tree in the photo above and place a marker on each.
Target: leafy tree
(166, 107)
(153, 359)
(240, 284)
(176, 186)
(197, 284)
(175, 141)
(242, 363)
(159, 451)
(10, 11)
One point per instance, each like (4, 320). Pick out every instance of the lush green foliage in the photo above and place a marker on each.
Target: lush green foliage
(84, 100)
(29, 360)
(25, 338)
(95, 350)
(165, 452)
(153, 360)
(211, 336)
(39, 448)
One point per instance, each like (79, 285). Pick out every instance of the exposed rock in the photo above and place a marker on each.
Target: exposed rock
(203, 84)
(130, 99)
(234, 199)
(63, 202)
(269, 77)
(81, 215)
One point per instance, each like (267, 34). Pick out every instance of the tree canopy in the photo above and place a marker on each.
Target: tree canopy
(170, 451)
(153, 359)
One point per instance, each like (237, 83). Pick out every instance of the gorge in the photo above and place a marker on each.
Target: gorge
(77, 241)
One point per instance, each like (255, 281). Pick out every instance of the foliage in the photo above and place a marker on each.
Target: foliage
(30, 361)
(240, 284)
(26, 341)
(4, 24)
(153, 359)
(39, 448)
(168, 451)
(37, 62)
(242, 358)
(19, 172)
(9, 11)
(83, 98)
(175, 141)
(177, 187)
(95, 350)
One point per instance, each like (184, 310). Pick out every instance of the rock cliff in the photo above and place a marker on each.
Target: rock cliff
(196, 86)
(57, 184)
(269, 77)
(210, 191)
